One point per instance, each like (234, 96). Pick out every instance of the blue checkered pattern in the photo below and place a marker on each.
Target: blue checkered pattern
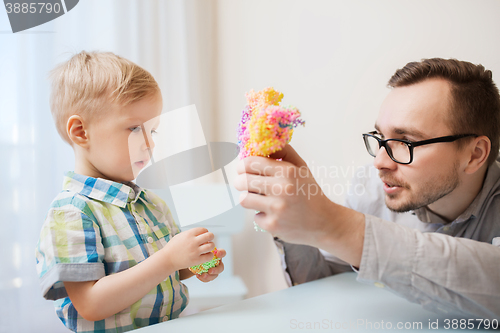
(96, 227)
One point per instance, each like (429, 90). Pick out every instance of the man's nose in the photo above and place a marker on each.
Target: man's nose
(383, 160)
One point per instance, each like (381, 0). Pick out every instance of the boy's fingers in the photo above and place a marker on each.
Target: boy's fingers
(221, 253)
(216, 270)
(207, 256)
(198, 231)
(207, 248)
(206, 277)
(205, 237)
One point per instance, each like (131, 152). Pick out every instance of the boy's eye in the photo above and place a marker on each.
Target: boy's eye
(135, 129)
(153, 132)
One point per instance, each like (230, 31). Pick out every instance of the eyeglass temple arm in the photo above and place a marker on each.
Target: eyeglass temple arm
(449, 138)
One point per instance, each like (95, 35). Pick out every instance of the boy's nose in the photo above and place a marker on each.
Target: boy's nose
(151, 143)
(148, 140)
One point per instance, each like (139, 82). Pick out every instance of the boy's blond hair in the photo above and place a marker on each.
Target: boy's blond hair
(90, 82)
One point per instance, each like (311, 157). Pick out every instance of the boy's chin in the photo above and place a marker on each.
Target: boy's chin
(126, 176)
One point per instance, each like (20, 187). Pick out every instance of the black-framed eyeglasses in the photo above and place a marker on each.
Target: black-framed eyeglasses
(401, 151)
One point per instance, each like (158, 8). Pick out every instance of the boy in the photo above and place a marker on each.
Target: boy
(107, 252)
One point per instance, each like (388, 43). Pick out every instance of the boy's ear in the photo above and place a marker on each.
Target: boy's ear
(76, 130)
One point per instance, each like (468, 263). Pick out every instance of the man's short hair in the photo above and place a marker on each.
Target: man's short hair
(89, 83)
(475, 105)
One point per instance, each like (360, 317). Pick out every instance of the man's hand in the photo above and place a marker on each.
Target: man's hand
(293, 207)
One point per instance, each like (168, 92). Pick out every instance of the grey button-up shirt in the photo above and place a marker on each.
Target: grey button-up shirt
(448, 267)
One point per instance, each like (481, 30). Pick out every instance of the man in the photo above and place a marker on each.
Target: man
(435, 146)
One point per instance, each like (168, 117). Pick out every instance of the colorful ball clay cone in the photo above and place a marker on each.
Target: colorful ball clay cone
(265, 126)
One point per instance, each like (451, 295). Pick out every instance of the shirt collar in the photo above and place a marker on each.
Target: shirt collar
(491, 179)
(115, 193)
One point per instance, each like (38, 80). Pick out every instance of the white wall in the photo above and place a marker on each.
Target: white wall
(332, 60)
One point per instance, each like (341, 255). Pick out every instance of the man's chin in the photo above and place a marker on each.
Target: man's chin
(398, 206)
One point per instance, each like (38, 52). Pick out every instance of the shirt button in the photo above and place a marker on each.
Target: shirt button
(379, 285)
(150, 240)
(165, 318)
(446, 228)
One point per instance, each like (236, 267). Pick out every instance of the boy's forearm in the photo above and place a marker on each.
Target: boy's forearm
(96, 300)
(185, 274)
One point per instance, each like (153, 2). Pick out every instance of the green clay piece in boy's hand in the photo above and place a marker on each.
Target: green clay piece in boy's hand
(203, 268)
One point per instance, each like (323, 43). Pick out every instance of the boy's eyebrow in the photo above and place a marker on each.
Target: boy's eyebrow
(406, 131)
(140, 122)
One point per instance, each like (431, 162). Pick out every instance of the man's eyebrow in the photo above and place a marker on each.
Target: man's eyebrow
(410, 131)
(405, 131)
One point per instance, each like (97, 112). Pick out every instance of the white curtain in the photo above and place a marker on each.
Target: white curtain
(171, 39)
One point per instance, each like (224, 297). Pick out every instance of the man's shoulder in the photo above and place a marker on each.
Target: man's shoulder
(490, 192)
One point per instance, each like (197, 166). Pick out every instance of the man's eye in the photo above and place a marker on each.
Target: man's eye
(135, 129)
(154, 132)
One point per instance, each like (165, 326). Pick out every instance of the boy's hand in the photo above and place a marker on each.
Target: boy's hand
(213, 273)
(189, 248)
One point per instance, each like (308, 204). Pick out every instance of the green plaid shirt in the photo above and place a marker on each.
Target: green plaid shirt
(97, 227)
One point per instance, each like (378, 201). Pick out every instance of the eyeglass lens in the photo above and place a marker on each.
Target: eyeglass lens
(396, 149)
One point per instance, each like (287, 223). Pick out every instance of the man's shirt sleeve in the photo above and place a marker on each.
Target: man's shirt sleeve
(70, 248)
(440, 272)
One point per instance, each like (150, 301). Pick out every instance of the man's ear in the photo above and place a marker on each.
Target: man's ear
(77, 131)
(480, 150)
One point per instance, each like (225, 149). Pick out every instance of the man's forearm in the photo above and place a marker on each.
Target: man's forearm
(342, 234)
(440, 272)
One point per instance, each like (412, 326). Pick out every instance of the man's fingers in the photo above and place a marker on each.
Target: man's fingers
(262, 166)
(254, 201)
(262, 221)
(289, 154)
(252, 183)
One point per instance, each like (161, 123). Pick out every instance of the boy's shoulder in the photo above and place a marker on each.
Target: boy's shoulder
(68, 201)
(86, 195)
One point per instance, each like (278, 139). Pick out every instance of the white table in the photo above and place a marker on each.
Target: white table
(334, 303)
